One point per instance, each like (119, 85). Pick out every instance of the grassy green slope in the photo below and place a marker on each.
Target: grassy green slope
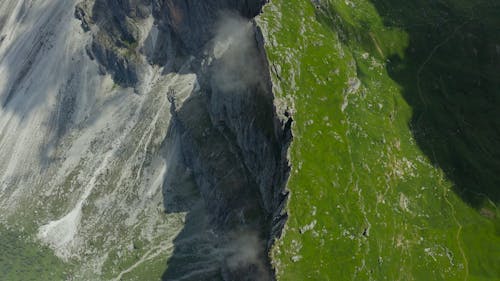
(21, 260)
(369, 199)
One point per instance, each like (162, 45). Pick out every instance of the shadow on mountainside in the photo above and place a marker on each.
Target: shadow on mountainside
(450, 77)
(194, 256)
(224, 236)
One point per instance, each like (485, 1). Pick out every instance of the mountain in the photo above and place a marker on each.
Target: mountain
(249, 140)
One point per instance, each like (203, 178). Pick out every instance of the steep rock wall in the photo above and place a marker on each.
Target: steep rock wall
(236, 145)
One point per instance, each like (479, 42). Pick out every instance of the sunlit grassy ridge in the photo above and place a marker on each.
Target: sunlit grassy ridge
(367, 202)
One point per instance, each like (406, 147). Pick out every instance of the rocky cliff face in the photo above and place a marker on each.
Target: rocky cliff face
(180, 28)
(236, 146)
(128, 109)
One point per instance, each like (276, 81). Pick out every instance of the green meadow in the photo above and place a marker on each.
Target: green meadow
(396, 152)
(24, 260)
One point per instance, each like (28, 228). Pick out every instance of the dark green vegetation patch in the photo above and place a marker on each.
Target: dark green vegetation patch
(21, 260)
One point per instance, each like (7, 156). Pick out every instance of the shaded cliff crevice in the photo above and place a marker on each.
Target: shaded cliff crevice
(235, 146)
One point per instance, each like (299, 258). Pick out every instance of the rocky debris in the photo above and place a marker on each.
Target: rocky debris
(122, 68)
(354, 83)
(116, 36)
(82, 16)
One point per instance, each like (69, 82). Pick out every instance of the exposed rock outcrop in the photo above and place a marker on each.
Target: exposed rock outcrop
(181, 28)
